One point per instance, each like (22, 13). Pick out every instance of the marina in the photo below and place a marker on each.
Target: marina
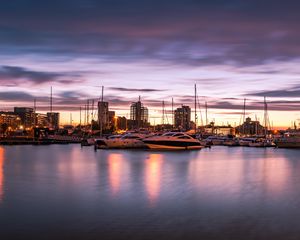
(149, 120)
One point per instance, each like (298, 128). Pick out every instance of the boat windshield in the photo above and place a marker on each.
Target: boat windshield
(168, 134)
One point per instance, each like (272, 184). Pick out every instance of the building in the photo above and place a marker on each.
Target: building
(139, 115)
(111, 119)
(41, 120)
(27, 116)
(250, 127)
(103, 115)
(10, 119)
(182, 118)
(121, 123)
(219, 130)
(53, 120)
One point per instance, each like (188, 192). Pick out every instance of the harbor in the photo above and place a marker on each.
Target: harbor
(149, 120)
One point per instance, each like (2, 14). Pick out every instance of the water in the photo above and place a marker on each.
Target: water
(68, 192)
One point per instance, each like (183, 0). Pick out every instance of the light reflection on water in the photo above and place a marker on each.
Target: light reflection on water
(218, 193)
(153, 177)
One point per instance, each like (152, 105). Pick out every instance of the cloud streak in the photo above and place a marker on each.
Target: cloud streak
(121, 89)
(15, 75)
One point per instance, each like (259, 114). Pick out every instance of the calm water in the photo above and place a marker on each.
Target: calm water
(68, 192)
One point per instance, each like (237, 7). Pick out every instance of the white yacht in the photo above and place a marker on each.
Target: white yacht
(172, 141)
(131, 140)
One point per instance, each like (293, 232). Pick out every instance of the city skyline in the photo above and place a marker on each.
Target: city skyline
(159, 50)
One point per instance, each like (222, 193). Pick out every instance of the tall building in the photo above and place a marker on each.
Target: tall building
(182, 118)
(103, 114)
(139, 115)
(27, 116)
(53, 119)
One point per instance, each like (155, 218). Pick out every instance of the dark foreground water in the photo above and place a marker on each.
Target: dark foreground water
(68, 192)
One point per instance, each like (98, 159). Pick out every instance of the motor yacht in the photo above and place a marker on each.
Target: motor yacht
(172, 141)
(130, 140)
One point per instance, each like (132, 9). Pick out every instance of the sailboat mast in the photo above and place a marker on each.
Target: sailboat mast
(101, 112)
(265, 116)
(163, 113)
(195, 108)
(244, 116)
(206, 119)
(173, 120)
(51, 100)
(80, 116)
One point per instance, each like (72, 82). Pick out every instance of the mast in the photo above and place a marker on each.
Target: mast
(206, 119)
(163, 113)
(51, 100)
(195, 108)
(265, 116)
(173, 120)
(244, 115)
(92, 115)
(101, 112)
(80, 117)
(85, 116)
(87, 112)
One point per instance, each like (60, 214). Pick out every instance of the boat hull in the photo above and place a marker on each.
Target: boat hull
(119, 144)
(173, 145)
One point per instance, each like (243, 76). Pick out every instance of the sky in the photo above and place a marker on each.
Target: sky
(154, 49)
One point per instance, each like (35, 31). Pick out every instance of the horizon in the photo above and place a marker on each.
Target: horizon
(231, 49)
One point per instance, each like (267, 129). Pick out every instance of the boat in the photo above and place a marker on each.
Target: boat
(262, 142)
(130, 140)
(230, 142)
(289, 140)
(215, 140)
(173, 141)
(245, 142)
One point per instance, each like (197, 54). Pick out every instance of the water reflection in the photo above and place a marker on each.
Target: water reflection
(153, 177)
(239, 173)
(276, 173)
(1, 174)
(114, 168)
